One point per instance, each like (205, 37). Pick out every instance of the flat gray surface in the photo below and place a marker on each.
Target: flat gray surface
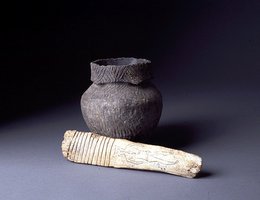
(222, 126)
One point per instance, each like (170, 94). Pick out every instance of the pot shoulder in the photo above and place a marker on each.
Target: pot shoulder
(122, 92)
(121, 110)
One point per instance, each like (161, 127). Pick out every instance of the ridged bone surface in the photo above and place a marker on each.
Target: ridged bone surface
(94, 149)
(121, 102)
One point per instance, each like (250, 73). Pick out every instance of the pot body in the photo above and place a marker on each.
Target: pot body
(121, 102)
(121, 110)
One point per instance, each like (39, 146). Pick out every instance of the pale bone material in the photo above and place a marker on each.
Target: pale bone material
(94, 149)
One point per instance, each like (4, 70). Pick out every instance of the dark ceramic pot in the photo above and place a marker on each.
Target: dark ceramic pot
(121, 102)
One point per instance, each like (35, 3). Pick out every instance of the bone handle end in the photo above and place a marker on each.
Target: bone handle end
(68, 136)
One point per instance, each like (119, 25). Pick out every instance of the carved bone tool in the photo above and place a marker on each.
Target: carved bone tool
(94, 149)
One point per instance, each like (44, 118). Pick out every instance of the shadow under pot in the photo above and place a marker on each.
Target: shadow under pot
(121, 102)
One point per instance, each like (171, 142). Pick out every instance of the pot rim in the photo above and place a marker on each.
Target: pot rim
(121, 61)
(124, 69)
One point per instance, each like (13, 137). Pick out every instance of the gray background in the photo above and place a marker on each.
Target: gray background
(221, 126)
(206, 63)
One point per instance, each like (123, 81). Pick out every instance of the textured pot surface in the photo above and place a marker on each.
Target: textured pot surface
(121, 102)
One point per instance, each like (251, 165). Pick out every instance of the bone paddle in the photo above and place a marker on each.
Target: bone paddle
(91, 148)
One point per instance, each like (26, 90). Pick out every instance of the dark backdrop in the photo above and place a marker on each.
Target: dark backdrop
(46, 47)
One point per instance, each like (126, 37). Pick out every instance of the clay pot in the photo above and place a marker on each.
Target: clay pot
(121, 102)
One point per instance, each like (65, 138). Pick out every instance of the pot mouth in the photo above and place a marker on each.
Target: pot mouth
(125, 69)
(125, 61)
